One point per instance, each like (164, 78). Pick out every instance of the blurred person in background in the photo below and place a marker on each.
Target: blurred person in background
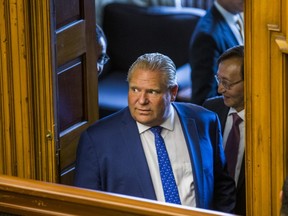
(220, 29)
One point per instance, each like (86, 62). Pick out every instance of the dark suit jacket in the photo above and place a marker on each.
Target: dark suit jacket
(110, 158)
(211, 37)
(217, 105)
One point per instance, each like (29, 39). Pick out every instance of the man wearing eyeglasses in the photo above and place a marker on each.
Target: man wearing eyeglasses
(229, 106)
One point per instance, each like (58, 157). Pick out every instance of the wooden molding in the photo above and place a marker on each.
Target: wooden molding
(28, 197)
(17, 143)
(27, 119)
(42, 47)
(281, 41)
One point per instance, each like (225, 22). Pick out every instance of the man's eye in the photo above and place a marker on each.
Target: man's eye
(134, 89)
(153, 92)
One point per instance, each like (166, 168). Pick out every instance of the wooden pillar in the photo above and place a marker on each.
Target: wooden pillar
(265, 104)
(27, 148)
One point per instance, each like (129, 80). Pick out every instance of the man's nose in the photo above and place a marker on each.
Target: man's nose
(221, 88)
(143, 98)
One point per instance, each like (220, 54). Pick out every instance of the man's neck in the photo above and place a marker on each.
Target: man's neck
(225, 7)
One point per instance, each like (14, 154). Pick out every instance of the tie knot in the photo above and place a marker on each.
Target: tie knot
(238, 22)
(156, 130)
(236, 119)
(239, 26)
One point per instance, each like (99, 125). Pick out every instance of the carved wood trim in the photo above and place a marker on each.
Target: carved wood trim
(17, 143)
(281, 41)
(42, 46)
(30, 197)
(26, 112)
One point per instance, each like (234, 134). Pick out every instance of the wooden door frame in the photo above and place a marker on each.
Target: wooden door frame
(27, 132)
(27, 106)
(43, 51)
(266, 57)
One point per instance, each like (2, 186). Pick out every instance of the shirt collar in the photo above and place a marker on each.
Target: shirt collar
(241, 113)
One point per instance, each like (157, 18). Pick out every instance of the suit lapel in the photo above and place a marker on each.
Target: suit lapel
(134, 148)
(229, 35)
(191, 137)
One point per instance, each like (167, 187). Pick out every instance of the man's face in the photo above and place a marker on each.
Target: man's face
(148, 97)
(229, 71)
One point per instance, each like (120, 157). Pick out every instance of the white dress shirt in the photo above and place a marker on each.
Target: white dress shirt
(178, 154)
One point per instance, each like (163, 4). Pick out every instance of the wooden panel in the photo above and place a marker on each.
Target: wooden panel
(278, 114)
(76, 91)
(285, 126)
(18, 77)
(70, 14)
(27, 117)
(19, 128)
(69, 141)
(71, 42)
(71, 93)
(7, 158)
(38, 198)
(265, 104)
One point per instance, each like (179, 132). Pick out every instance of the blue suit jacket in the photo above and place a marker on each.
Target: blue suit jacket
(110, 158)
(216, 104)
(211, 37)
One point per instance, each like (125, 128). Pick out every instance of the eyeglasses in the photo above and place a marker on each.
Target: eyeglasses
(226, 84)
(103, 59)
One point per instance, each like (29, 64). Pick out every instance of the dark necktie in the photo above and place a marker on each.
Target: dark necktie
(232, 145)
(168, 181)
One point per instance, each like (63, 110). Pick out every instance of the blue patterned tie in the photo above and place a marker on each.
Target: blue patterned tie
(167, 177)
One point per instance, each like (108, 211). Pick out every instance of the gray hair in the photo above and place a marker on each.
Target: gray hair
(156, 62)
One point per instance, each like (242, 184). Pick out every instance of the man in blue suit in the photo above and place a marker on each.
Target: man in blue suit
(215, 32)
(117, 154)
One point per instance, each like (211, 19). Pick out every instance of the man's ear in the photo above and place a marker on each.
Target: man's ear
(174, 91)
